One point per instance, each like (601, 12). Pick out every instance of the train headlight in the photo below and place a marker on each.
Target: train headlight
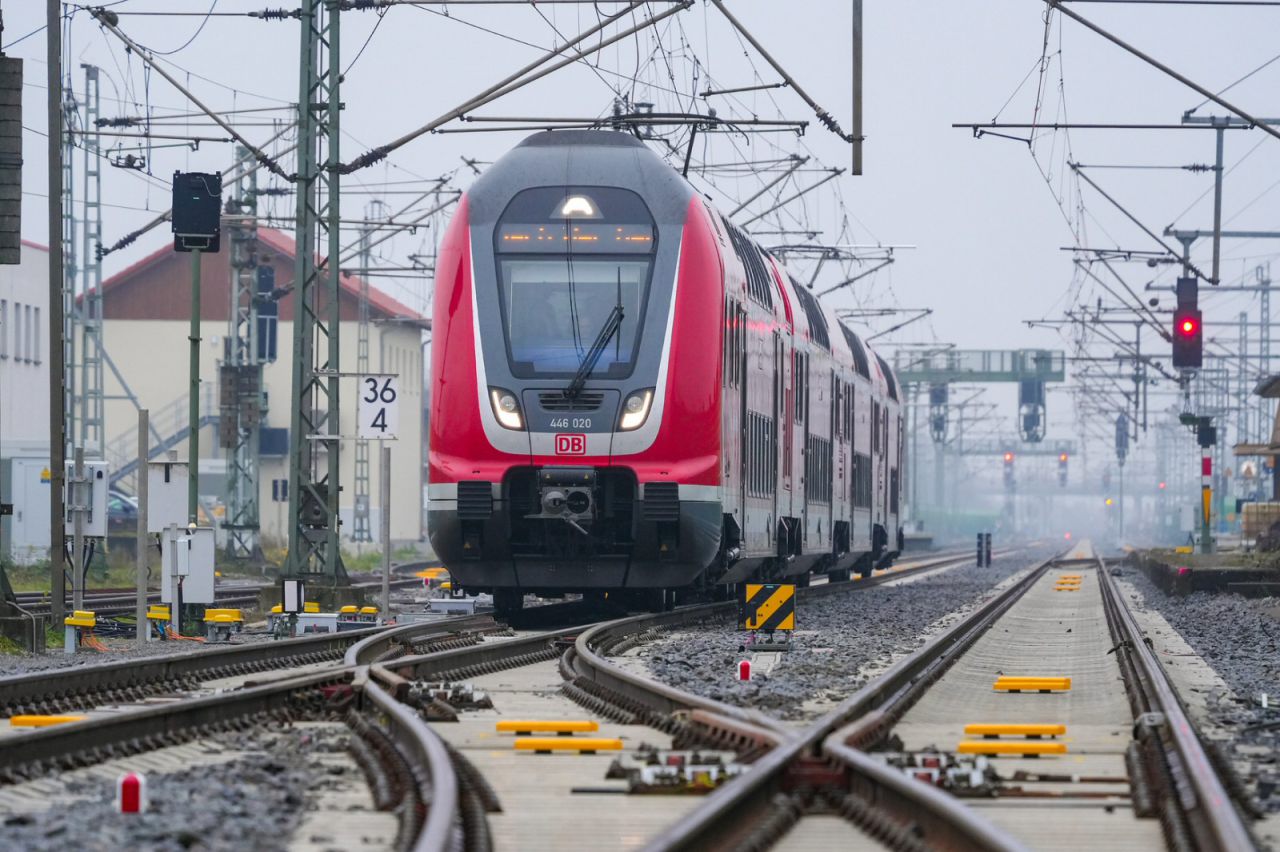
(635, 410)
(506, 408)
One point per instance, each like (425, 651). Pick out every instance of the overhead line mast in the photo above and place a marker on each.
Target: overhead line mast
(314, 427)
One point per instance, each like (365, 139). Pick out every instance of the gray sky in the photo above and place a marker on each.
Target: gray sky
(981, 212)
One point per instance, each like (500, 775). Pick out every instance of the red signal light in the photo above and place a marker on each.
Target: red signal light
(1188, 326)
(1008, 458)
(1063, 458)
(1161, 486)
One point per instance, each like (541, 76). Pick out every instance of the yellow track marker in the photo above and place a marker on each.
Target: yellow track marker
(1014, 730)
(1032, 748)
(546, 745)
(563, 727)
(41, 721)
(1032, 684)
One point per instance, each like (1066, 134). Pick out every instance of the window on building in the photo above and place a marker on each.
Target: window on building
(17, 332)
(35, 336)
(4, 328)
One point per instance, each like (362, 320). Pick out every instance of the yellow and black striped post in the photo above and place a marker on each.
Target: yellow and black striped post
(767, 606)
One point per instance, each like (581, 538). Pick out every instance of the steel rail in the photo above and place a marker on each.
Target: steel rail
(74, 688)
(432, 769)
(101, 738)
(588, 656)
(373, 646)
(1210, 813)
(719, 822)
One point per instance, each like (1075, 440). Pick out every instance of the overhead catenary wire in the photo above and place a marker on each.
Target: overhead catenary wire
(109, 23)
(523, 77)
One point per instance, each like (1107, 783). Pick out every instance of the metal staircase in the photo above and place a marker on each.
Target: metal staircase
(170, 423)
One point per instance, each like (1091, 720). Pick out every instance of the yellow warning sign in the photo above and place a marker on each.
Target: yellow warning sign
(45, 475)
(767, 606)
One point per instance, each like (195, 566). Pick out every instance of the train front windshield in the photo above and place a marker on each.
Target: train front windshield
(567, 258)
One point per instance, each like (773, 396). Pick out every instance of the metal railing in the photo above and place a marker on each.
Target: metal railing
(170, 423)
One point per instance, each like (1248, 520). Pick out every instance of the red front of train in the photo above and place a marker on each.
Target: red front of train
(575, 424)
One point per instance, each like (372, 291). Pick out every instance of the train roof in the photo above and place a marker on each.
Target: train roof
(578, 138)
(594, 158)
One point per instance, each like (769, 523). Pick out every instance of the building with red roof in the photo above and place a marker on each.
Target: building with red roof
(146, 310)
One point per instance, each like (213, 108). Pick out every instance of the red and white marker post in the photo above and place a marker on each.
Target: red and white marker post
(131, 793)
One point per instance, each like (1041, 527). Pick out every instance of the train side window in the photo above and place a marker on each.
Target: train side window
(758, 278)
(726, 337)
(889, 379)
(813, 314)
(806, 386)
(875, 427)
(859, 354)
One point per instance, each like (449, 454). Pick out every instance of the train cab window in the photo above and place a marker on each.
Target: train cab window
(567, 258)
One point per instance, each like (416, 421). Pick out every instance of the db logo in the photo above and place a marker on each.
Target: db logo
(571, 445)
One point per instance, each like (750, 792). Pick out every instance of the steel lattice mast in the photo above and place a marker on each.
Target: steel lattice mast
(241, 380)
(89, 314)
(314, 424)
(361, 531)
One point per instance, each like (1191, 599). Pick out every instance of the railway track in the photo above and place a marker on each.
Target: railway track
(116, 602)
(376, 690)
(1152, 766)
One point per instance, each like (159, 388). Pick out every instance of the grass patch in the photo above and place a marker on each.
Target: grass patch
(36, 578)
(362, 563)
(10, 647)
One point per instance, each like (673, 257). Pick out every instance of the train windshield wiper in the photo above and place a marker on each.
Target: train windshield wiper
(612, 325)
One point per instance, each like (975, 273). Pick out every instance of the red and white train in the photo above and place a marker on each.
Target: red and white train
(628, 393)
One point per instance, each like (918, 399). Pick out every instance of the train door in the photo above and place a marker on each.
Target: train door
(806, 447)
(787, 422)
(829, 487)
(877, 455)
(744, 444)
(779, 416)
(883, 466)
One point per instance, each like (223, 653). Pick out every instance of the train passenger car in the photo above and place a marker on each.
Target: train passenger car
(628, 393)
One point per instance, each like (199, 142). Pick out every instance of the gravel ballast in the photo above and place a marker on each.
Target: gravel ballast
(254, 801)
(1240, 641)
(117, 649)
(842, 641)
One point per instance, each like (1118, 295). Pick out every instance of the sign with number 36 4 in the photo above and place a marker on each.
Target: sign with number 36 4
(379, 412)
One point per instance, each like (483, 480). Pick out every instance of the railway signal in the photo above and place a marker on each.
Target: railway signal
(1062, 469)
(1188, 327)
(1008, 470)
(1188, 338)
